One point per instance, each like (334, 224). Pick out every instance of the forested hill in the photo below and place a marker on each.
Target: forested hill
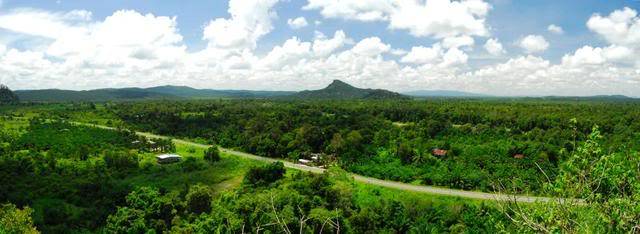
(443, 93)
(188, 92)
(341, 90)
(160, 92)
(97, 95)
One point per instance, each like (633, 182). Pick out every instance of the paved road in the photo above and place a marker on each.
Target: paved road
(370, 180)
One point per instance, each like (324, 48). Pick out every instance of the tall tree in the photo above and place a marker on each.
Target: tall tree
(7, 96)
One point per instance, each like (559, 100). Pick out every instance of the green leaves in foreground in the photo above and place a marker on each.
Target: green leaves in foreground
(607, 183)
(16, 221)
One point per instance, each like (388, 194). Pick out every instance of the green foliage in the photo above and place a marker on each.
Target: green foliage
(607, 183)
(481, 136)
(7, 96)
(120, 160)
(16, 221)
(405, 153)
(212, 154)
(147, 211)
(190, 164)
(265, 175)
(72, 141)
(331, 203)
(199, 199)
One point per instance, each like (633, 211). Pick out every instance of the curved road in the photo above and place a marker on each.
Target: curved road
(371, 180)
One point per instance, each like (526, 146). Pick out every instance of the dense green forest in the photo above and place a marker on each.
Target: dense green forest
(395, 139)
(58, 176)
(92, 179)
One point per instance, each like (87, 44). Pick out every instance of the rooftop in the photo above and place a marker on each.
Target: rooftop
(165, 156)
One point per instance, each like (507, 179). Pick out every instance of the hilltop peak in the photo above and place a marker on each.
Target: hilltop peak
(339, 84)
(341, 90)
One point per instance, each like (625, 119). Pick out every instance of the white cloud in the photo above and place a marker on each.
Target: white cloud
(250, 20)
(494, 47)
(45, 24)
(555, 29)
(297, 23)
(533, 44)
(457, 42)
(531, 75)
(363, 10)
(371, 46)
(292, 51)
(620, 27)
(126, 44)
(588, 55)
(436, 55)
(440, 18)
(430, 18)
(398, 52)
(423, 55)
(324, 47)
(454, 56)
(133, 49)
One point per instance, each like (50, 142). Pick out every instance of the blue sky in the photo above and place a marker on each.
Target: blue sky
(533, 60)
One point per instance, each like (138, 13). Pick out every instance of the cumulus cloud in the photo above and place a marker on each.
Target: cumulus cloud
(436, 55)
(250, 20)
(297, 23)
(398, 52)
(430, 18)
(454, 56)
(130, 48)
(555, 29)
(423, 55)
(588, 55)
(534, 44)
(620, 27)
(531, 75)
(371, 46)
(290, 52)
(440, 18)
(324, 47)
(494, 47)
(369, 10)
(457, 42)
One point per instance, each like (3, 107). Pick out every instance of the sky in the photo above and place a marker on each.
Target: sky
(498, 47)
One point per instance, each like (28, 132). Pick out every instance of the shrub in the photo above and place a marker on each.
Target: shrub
(192, 164)
(120, 159)
(212, 154)
(199, 199)
(260, 176)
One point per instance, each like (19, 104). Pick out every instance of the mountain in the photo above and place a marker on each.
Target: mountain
(188, 92)
(128, 94)
(442, 93)
(341, 90)
(96, 95)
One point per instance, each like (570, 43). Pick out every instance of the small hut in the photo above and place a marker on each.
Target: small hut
(168, 158)
(518, 156)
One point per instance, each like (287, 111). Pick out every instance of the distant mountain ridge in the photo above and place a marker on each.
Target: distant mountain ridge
(336, 90)
(341, 90)
(443, 93)
(124, 94)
